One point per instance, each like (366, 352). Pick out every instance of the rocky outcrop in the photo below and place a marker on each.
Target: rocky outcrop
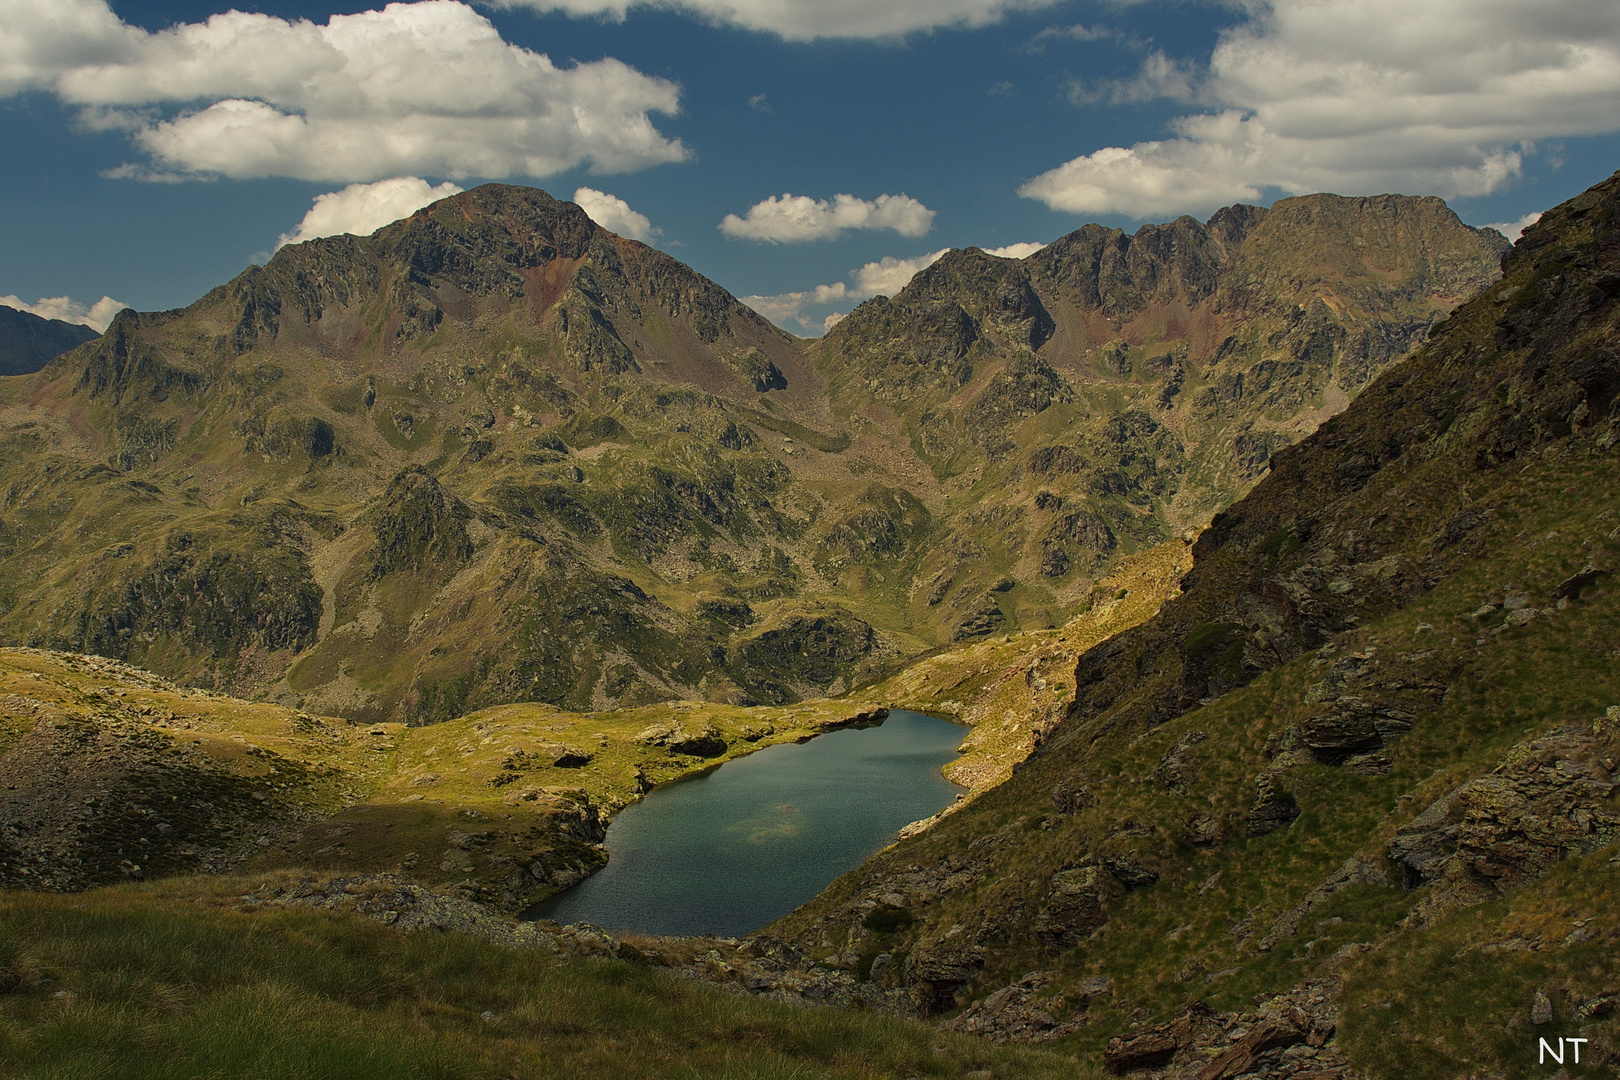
(1076, 904)
(407, 907)
(705, 743)
(1018, 1013)
(1288, 1036)
(1551, 798)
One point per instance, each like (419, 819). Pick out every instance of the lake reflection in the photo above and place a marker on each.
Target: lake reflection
(735, 848)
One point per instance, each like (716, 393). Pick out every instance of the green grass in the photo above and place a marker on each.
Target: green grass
(1458, 998)
(142, 983)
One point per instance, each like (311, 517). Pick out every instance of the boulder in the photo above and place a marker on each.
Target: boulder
(705, 743)
(938, 970)
(1076, 904)
(1148, 1050)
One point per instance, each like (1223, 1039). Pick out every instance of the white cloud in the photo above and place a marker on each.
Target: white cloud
(1021, 250)
(614, 214)
(806, 20)
(831, 321)
(885, 277)
(426, 87)
(1077, 32)
(1515, 229)
(1359, 97)
(1158, 77)
(792, 218)
(784, 306)
(362, 209)
(889, 275)
(96, 316)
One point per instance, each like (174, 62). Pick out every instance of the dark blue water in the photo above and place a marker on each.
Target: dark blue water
(735, 848)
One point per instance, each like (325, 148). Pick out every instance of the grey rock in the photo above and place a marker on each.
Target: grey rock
(1541, 1010)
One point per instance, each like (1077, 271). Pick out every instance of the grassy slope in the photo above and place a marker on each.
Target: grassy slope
(151, 982)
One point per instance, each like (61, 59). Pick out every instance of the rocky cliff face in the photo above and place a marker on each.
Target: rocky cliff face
(1369, 740)
(28, 342)
(495, 453)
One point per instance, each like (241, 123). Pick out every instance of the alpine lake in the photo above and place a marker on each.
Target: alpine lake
(736, 847)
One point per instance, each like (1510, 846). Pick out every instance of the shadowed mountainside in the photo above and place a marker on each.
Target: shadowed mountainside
(29, 342)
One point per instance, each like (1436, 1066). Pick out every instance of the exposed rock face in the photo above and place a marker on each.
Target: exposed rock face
(1552, 798)
(1076, 905)
(705, 743)
(1014, 1014)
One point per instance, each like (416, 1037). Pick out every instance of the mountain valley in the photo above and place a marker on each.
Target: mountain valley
(1269, 559)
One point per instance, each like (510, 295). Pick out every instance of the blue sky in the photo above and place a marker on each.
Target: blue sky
(156, 148)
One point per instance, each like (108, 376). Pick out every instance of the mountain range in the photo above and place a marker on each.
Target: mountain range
(495, 453)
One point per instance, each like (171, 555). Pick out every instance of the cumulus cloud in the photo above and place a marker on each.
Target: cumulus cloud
(614, 214)
(889, 275)
(1159, 77)
(1515, 229)
(792, 218)
(781, 307)
(96, 316)
(885, 277)
(807, 20)
(362, 209)
(427, 87)
(1359, 97)
(1015, 251)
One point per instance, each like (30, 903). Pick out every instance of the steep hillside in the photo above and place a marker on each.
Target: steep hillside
(493, 453)
(1345, 807)
(29, 342)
